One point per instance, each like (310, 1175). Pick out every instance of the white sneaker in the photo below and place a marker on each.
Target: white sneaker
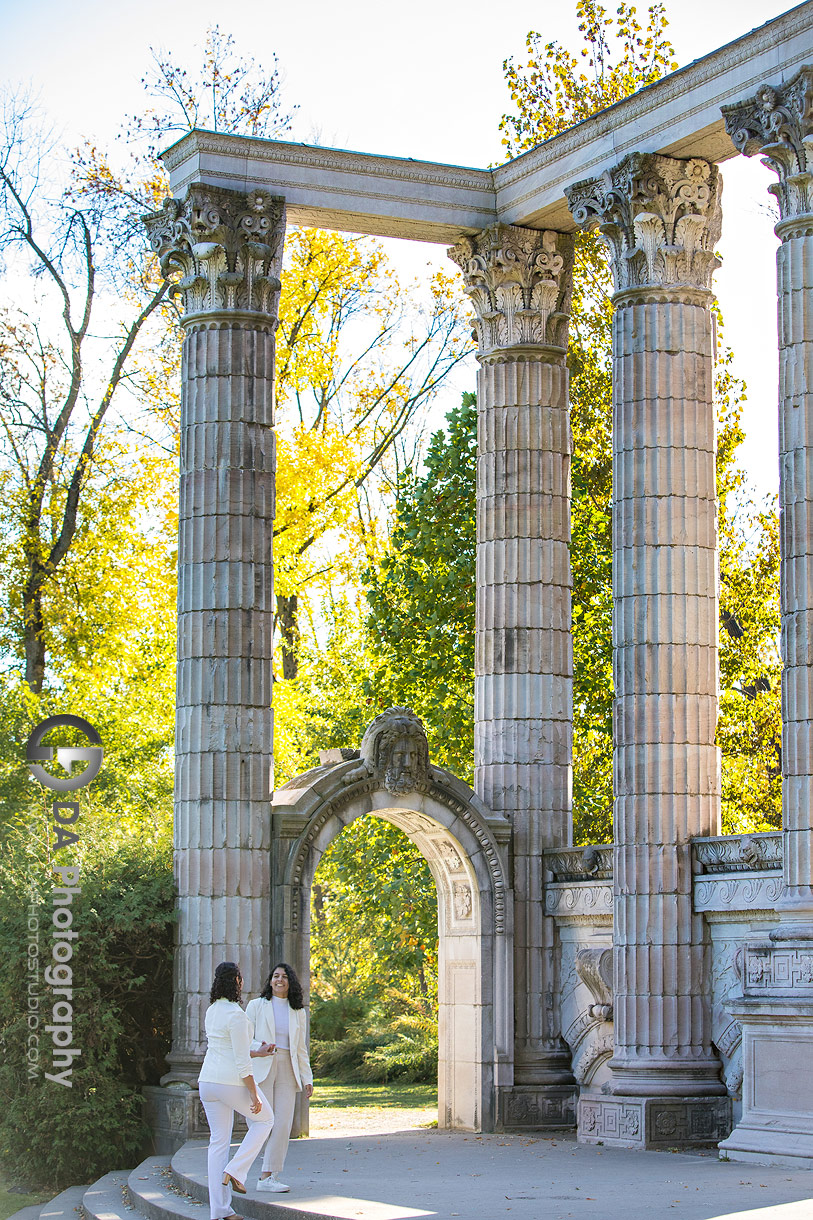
(272, 1184)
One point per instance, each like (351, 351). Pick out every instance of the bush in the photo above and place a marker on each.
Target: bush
(395, 1039)
(51, 1135)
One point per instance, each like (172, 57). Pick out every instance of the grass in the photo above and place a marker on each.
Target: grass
(340, 1094)
(11, 1202)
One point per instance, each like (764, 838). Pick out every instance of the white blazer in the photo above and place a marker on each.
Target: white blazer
(228, 1032)
(261, 1013)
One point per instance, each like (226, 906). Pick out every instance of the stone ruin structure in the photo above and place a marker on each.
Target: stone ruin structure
(655, 992)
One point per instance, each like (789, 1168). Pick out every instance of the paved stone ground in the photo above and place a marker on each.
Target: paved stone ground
(401, 1176)
(369, 1120)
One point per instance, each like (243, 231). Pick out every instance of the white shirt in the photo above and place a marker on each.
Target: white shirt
(281, 1021)
(228, 1033)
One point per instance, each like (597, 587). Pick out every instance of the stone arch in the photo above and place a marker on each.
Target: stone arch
(464, 847)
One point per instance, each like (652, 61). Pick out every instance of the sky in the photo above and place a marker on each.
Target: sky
(421, 79)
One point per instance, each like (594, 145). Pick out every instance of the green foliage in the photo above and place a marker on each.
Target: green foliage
(550, 92)
(374, 946)
(395, 1039)
(325, 705)
(53, 1135)
(373, 880)
(421, 595)
(749, 728)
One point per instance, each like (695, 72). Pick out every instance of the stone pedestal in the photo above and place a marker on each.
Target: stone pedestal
(776, 1009)
(228, 248)
(520, 283)
(660, 218)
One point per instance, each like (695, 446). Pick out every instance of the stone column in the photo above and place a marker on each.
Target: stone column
(778, 123)
(660, 218)
(228, 248)
(519, 281)
(776, 1010)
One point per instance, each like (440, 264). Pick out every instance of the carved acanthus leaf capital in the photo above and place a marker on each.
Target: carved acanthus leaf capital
(227, 246)
(660, 217)
(777, 123)
(520, 282)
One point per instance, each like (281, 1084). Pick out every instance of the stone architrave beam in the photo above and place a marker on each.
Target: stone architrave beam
(425, 201)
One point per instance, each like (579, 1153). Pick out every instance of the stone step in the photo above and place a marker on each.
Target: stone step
(64, 1206)
(107, 1199)
(152, 1191)
(189, 1174)
(318, 1192)
(31, 1212)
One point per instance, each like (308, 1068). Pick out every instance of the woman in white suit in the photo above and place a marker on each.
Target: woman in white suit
(281, 1065)
(227, 1084)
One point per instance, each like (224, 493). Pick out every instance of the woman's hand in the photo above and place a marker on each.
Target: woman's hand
(267, 1048)
(256, 1103)
(309, 1091)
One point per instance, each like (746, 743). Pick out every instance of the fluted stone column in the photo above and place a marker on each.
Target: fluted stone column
(660, 218)
(776, 1010)
(228, 248)
(519, 281)
(778, 124)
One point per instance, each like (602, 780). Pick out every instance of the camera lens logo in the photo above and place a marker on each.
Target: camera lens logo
(66, 756)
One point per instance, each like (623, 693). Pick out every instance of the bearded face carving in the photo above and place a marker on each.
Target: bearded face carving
(396, 751)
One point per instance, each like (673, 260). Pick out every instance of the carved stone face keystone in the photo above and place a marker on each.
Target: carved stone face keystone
(395, 750)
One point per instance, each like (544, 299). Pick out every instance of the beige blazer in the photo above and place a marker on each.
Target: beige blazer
(261, 1013)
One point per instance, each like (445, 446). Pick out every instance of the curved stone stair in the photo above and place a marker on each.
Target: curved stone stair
(161, 1188)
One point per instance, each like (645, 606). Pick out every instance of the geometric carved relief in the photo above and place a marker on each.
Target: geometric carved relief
(783, 970)
(654, 1122)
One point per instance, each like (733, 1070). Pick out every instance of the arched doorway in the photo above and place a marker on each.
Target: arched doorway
(391, 777)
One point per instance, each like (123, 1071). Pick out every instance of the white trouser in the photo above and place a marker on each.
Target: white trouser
(280, 1089)
(220, 1101)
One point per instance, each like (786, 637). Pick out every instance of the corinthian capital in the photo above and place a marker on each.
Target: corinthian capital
(778, 124)
(227, 247)
(519, 281)
(660, 217)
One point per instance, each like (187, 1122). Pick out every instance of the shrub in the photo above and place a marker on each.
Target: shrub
(395, 1039)
(51, 1135)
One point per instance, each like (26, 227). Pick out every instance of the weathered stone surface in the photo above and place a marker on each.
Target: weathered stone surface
(660, 218)
(228, 247)
(775, 1008)
(519, 281)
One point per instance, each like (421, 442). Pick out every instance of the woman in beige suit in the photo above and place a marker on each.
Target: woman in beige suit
(281, 1065)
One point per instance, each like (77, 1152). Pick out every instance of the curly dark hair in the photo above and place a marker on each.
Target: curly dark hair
(295, 997)
(228, 983)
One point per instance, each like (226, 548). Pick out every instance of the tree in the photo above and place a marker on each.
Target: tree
(415, 583)
(359, 361)
(550, 92)
(53, 404)
(421, 595)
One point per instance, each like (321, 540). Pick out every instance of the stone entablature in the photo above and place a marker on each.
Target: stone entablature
(738, 853)
(425, 201)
